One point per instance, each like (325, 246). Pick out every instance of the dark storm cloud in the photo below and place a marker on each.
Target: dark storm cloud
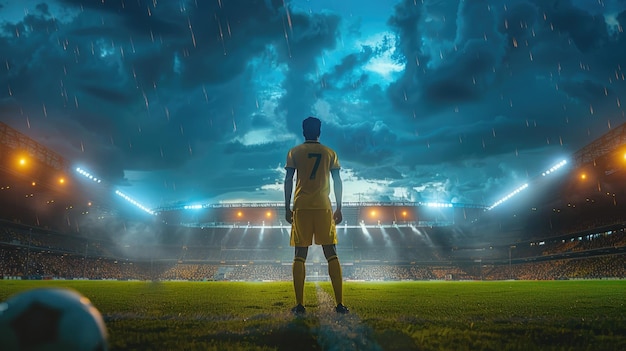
(313, 35)
(365, 144)
(342, 74)
(136, 16)
(148, 83)
(192, 99)
(473, 48)
(586, 30)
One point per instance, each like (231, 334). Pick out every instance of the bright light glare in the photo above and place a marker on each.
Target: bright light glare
(129, 199)
(192, 207)
(554, 168)
(515, 192)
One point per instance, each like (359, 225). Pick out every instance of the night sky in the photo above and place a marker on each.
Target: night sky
(199, 101)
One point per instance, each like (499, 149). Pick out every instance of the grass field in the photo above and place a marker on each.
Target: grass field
(505, 315)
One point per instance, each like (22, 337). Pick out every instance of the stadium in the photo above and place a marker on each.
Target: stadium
(566, 223)
(61, 223)
(63, 226)
(478, 152)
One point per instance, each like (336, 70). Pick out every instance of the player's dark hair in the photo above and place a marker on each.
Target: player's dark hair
(311, 128)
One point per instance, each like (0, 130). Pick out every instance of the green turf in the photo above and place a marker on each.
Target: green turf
(506, 315)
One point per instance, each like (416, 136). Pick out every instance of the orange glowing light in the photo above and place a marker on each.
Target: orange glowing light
(268, 214)
(373, 213)
(583, 176)
(61, 180)
(239, 214)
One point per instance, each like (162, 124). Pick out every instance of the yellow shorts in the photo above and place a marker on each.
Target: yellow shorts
(313, 223)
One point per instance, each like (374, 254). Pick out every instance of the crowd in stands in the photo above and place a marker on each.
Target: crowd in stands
(32, 253)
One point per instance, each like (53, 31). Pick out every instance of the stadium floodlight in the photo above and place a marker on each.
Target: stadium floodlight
(132, 201)
(437, 204)
(87, 175)
(510, 195)
(554, 168)
(192, 207)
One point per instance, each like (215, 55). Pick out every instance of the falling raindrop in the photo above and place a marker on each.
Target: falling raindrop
(206, 95)
(288, 16)
(145, 99)
(287, 39)
(193, 37)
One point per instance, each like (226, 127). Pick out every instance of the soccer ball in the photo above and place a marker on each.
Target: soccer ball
(51, 319)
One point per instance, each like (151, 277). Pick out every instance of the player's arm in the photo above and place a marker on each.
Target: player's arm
(288, 187)
(338, 188)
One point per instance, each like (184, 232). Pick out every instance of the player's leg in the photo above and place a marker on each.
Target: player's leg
(301, 239)
(326, 235)
(336, 277)
(299, 274)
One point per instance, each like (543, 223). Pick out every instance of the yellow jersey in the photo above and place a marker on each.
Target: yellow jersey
(312, 162)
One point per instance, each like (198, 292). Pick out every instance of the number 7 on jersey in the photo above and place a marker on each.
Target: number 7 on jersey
(318, 158)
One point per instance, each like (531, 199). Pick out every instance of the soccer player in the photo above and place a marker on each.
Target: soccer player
(312, 216)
